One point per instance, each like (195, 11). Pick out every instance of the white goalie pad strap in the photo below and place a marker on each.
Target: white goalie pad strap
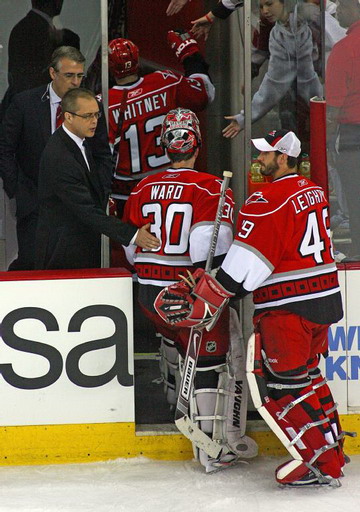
(320, 384)
(292, 404)
(307, 427)
(333, 409)
(320, 451)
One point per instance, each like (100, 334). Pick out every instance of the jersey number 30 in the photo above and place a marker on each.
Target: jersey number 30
(177, 224)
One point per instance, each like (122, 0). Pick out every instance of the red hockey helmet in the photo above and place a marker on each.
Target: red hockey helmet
(123, 58)
(180, 131)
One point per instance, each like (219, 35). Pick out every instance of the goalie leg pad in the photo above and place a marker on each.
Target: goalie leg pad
(290, 407)
(169, 368)
(216, 406)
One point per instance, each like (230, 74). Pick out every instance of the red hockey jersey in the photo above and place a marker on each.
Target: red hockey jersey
(283, 252)
(181, 205)
(146, 103)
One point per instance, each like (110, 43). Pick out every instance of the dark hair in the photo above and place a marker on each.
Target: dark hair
(178, 157)
(65, 52)
(292, 161)
(70, 99)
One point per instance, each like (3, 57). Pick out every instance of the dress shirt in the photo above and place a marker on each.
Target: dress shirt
(79, 142)
(55, 101)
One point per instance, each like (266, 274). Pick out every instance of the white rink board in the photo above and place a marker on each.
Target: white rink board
(335, 365)
(353, 339)
(342, 367)
(71, 377)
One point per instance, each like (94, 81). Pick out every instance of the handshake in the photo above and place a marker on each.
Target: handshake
(195, 301)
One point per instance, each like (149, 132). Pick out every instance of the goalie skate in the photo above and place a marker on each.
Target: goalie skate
(296, 473)
(225, 461)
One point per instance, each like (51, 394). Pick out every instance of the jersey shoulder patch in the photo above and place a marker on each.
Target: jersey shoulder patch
(168, 75)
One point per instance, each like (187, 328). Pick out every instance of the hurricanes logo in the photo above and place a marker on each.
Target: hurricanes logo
(256, 197)
(210, 346)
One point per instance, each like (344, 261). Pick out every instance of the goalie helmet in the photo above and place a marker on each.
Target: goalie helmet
(180, 131)
(123, 57)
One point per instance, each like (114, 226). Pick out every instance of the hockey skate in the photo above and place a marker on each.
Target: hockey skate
(224, 461)
(296, 473)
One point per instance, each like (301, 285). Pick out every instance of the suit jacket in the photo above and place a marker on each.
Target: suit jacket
(24, 133)
(31, 44)
(71, 215)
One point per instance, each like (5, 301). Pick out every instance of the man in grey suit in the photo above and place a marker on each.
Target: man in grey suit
(72, 201)
(29, 121)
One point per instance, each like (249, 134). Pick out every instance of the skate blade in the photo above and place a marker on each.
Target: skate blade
(215, 467)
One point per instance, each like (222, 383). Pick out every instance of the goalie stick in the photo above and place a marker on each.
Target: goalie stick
(182, 419)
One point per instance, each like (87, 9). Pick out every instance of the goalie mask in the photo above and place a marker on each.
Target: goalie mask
(123, 58)
(180, 131)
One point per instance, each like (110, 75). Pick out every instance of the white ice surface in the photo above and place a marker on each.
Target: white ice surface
(136, 485)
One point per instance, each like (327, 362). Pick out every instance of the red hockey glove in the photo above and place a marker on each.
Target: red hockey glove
(193, 302)
(182, 43)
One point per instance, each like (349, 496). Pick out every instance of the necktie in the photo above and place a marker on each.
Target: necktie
(59, 117)
(87, 154)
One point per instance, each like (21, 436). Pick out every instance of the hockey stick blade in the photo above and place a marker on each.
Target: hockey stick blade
(198, 437)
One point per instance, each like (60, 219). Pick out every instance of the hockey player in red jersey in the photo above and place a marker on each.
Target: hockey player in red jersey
(181, 205)
(283, 253)
(137, 106)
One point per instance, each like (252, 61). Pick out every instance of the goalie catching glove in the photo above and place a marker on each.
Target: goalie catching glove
(182, 43)
(196, 301)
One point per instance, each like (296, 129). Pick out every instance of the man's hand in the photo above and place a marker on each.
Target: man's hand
(145, 239)
(196, 301)
(202, 26)
(232, 129)
(182, 44)
(175, 6)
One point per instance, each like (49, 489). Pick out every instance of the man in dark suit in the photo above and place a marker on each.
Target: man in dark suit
(72, 201)
(31, 44)
(29, 121)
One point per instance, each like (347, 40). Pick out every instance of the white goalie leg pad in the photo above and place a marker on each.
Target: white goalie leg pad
(222, 412)
(169, 368)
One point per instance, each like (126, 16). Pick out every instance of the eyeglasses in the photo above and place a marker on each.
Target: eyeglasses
(70, 76)
(87, 117)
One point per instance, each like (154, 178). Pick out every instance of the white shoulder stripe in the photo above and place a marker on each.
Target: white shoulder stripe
(280, 206)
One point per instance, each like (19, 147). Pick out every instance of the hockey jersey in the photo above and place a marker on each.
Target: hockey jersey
(145, 104)
(181, 205)
(283, 253)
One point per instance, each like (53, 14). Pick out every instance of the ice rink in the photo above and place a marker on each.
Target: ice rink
(136, 485)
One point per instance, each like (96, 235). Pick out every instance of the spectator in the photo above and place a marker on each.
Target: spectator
(29, 121)
(296, 294)
(291, 51)
(181, 205)
(72, 198)
(343, 113)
